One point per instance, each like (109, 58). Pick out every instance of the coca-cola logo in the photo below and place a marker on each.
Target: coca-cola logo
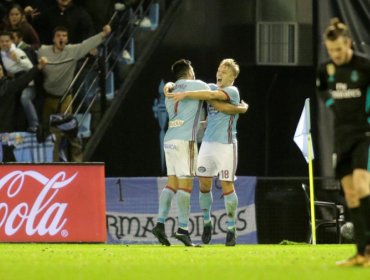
(43, 215)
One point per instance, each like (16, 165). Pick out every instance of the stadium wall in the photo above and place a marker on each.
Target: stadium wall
(271, 210)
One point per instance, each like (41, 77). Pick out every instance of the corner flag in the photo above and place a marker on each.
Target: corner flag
(302, 135)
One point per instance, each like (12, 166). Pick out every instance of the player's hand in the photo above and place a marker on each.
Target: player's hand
(178, 96)
(243, 107)
(168, 88)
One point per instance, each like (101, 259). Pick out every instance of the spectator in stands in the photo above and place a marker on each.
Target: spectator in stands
(67, 14)
(9, 89)
(58, 76)
(16, 19)
(18, 39)
(17, 36)
(15, 62)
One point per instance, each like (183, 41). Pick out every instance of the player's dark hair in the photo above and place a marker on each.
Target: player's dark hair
(181, 68)
(335, 30)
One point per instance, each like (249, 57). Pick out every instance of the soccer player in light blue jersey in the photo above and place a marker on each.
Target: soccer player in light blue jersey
(181, 152)
(218, 152)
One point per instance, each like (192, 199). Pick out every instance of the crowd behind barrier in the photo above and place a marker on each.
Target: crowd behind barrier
(28, 30)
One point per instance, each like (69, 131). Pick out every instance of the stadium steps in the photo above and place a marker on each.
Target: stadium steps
(146, 41)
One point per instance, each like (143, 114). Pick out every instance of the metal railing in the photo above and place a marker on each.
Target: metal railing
(93, 75)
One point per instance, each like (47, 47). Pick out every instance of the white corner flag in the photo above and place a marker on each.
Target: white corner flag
(302, 135)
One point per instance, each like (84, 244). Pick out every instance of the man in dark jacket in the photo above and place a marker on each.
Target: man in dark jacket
(75, 18)
(9, 95)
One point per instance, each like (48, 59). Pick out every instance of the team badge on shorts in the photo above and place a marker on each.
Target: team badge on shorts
(202, 169)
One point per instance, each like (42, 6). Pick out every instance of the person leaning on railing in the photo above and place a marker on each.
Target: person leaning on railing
(58, 75)
(8, 95)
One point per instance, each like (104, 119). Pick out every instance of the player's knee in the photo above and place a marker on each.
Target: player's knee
(205, 189)
(205, 184)
(361, 181)
(361, 176)
(227, 187)
(352, 197)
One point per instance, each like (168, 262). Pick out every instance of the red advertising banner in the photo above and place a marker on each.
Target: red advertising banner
(52, 203)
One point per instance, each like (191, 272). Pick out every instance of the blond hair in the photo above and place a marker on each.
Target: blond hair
(229, 62)
(335, 30)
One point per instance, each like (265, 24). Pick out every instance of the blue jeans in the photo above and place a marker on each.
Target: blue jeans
(28, 94)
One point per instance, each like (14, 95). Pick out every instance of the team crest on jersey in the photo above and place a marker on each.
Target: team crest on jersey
(212, 110)
(330, 70)
(354, 76)
(202, 169)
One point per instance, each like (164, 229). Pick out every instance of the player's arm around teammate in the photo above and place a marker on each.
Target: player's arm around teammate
(228, 108)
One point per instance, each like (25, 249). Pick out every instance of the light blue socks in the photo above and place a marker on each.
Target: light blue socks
(183, 208)
(205, 203)
(231, 204)
(164, 204)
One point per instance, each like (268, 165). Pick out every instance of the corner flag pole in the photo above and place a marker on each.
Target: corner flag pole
(303, 139)
(310, 171)
(312, 193)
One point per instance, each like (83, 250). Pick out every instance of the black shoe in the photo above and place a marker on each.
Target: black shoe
(158, 232)
(207, 233)
(184, 238)
(230, 238)
(40, 135)
(32, 129)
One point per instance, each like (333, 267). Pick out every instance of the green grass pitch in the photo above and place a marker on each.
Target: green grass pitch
(101, 261)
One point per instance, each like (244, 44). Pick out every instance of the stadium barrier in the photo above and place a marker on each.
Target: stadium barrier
(271, 210)
(26, 147)
(132, 206)
(52, 203)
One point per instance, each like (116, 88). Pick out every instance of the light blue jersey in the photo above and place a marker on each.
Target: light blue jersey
(184, 116)
(221, 127)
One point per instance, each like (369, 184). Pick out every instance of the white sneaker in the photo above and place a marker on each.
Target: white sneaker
(145, 22)
(119, 6)
(126, 55)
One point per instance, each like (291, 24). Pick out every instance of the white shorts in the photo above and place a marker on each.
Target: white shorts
(218, 159)
(181, 158)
